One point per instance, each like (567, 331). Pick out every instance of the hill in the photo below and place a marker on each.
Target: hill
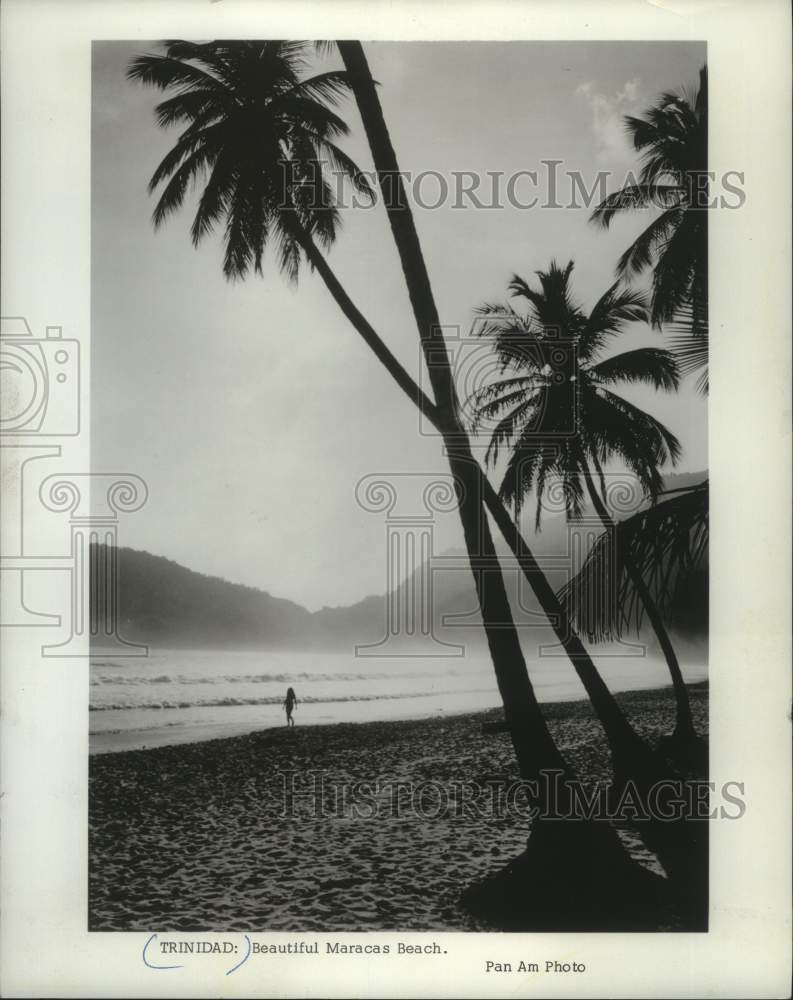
(168, 605)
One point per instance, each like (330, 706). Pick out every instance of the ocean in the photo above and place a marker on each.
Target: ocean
(182, 696)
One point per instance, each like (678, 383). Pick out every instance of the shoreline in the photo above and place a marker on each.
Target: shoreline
(202, 837)
(550, 709)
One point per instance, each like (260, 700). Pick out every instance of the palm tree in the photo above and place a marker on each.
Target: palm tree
(559, 415)
(673, 140)
(259, 134)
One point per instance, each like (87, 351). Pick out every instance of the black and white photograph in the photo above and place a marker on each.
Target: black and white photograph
(385, 587)
(424, 606)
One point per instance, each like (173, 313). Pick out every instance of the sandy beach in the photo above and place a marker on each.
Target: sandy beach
(194, 837)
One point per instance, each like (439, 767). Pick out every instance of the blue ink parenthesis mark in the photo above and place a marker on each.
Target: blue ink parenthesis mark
(148, 963)
(247, 956)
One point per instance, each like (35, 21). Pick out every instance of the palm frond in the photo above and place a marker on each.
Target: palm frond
(327, 87)
(667, 543)
(260, 135)
(164, 72)
(650, 365)
(634, 196)
(680, 267)
(656, 442)
(650, 243)
(618, 306)
(672, 138)
(689, 342)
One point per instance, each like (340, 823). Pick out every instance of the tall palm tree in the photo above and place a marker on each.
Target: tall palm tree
(673, 140)
(559, 415)
(260, 135)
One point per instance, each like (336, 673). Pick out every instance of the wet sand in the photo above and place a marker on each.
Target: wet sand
(194, 837)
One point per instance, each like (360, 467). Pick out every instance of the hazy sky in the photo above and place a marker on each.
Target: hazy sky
(252, 409)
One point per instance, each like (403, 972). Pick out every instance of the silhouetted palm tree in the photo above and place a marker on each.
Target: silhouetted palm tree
(263, 137)
(558, 414)
(673, 139)
(254, 132)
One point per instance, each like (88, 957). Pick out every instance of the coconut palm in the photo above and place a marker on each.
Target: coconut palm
(673, 140)
(254, 131)
(556, 409)
(259, 134)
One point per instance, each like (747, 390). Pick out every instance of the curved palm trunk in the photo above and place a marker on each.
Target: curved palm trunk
(684, 726)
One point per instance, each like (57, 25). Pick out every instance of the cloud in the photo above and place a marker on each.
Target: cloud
(613, 147)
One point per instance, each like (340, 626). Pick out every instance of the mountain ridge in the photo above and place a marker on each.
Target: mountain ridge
(163, 603)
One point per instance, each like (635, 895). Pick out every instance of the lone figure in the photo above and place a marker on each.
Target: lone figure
(289, 704)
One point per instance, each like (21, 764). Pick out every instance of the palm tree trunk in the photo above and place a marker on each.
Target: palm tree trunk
(684, 726)
(623, 739)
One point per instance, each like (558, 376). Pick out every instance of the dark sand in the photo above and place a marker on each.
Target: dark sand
(192, 837)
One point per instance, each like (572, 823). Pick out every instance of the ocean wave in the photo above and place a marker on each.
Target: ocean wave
(276, 700)
(134, 680)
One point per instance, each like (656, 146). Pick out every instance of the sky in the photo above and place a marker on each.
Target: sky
(252, 409)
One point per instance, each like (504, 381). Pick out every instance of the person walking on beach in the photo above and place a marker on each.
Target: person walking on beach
(289, 704)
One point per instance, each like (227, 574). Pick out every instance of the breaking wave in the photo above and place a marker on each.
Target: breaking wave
(272, 700)
(283, 678)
